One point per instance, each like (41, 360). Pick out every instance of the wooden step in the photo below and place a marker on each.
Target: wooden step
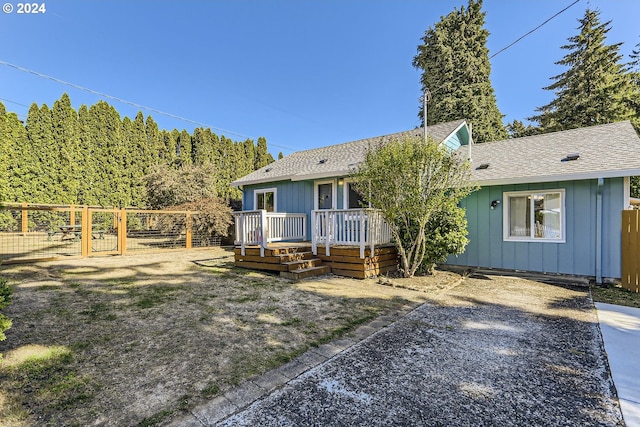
(302, 264)
(306, 272)
(261, 265)
(295, 256)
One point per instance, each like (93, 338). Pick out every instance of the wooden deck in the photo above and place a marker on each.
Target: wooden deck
(296, 260)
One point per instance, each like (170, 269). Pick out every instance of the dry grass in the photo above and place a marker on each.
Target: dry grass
(137, 340)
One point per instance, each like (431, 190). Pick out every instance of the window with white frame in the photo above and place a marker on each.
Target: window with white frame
(265, 199)
(534, 216)
(351, 198)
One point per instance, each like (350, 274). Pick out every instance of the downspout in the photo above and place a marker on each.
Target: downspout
(599, 231)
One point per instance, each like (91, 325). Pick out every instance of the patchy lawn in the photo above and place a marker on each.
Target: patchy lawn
(615, 294)
(137, 340)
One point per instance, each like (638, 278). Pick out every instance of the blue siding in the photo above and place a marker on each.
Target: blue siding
(292, 197)
(576, 256)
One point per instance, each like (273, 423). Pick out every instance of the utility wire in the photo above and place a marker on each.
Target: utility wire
(514, 42)
(124, 101)
(532, 31)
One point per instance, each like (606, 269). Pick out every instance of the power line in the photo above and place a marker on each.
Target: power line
(514, 42)
(532, 31)
(124, 101)
(13, 102)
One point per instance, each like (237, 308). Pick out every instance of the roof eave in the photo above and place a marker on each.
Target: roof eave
(561, 177)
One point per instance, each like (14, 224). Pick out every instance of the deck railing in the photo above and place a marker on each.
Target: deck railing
(261, 227)
(349, 227)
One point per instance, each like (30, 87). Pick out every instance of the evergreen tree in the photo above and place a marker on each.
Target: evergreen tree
(41, 157)
(138, 161)
(203, 146)
(6, 147)
(634, 75)
(263, 157)
(154, 141)
(66, 135)
(280, 155)
(454, 61)
(595, 89)
(517, 129)
(87, 194)
(184, 149)
(106, 133)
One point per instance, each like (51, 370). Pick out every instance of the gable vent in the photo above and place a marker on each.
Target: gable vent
(483, 166)
(571, 156)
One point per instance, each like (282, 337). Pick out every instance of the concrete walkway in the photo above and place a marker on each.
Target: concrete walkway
(620, 328)
(491, 351)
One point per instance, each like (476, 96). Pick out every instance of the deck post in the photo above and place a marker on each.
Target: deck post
(240, 217)
(314, 233)
(362, 233)
(263, 231)
(330, 218)
(374, 225)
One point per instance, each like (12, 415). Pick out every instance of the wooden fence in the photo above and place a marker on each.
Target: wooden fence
(631, 250)
(30, 232)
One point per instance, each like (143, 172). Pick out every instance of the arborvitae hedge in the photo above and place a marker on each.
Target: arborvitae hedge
(93, 156)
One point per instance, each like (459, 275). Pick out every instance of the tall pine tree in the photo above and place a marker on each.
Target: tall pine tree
(595, 89)
(454, 61)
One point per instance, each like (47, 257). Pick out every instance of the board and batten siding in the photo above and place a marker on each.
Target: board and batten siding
(576, 256)
(292, 197)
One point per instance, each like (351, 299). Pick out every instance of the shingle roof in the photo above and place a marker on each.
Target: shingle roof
(339, 160)
(611, 150)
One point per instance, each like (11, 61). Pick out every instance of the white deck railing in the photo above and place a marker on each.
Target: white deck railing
(349, 227)
(261, 227)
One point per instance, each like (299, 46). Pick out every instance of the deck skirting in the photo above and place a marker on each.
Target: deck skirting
(298, 257)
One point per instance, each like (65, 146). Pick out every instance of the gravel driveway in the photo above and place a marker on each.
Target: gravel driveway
(490, 351)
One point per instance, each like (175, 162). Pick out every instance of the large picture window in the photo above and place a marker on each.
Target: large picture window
(265, 199)
(534, 216)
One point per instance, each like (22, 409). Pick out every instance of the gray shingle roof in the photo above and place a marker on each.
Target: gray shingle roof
(611, 150)
(339, 160)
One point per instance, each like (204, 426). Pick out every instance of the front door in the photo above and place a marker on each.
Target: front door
(325, 197)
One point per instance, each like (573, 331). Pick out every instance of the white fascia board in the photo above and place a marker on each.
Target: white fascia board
(264, 180)
(555, 178)
(320, 175)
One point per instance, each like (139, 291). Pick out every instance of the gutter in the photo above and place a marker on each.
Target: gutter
(599, 231)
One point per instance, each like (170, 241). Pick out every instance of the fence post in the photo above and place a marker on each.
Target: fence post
(188, 236)
(25, 219)
(72, 214)
(85, 236)
(122, 231)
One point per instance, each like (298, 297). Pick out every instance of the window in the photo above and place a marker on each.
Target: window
(534, 216)
(265, 199)
(352, 199)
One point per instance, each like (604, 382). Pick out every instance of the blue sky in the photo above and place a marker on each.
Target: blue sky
(302, 73)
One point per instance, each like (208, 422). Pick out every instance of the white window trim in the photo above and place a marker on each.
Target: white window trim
(505, 216)
(262, 191)
(627, 192)
(334, 193)
(345, 193)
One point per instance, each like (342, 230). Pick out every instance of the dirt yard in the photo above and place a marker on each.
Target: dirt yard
(138, 340)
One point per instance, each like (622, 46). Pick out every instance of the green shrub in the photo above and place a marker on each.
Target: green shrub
(5, 299)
